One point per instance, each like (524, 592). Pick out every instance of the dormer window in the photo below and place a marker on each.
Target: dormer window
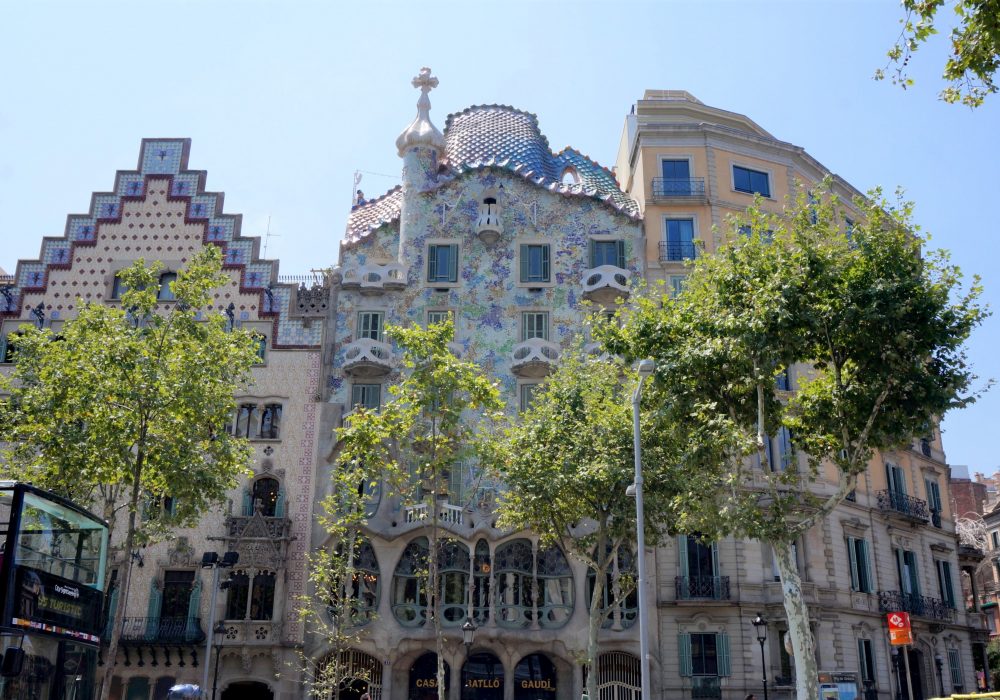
(570, 177)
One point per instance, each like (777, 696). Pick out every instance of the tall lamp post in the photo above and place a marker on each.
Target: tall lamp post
(211, 560)
(760, 629)
(645, 369)
(217, 632)
(468, 636)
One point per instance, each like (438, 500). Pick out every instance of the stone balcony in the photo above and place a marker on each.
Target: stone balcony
(252, 632)
(605, 284)
(367, 358)
(372, 279)
(534, 358)
(448, 514)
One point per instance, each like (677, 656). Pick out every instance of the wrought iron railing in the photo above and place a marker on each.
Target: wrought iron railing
(677, 250)
(702, 587)
(919, 605)
(896, 502)
(162, 630)
(678, 187)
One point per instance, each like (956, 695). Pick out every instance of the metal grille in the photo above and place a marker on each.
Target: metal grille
(618, 676)
(366, 668)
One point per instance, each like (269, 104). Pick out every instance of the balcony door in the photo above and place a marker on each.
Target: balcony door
(177, 587)
(676, 177)
(699, 568)
(906, 569)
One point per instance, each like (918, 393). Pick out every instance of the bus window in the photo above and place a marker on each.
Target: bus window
(60, 541)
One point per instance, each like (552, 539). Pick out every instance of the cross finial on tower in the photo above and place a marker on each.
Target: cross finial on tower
(425, 81)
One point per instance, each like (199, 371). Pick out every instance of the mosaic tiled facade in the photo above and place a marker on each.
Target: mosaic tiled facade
(161, 211)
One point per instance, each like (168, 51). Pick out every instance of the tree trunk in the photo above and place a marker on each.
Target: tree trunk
(797, 614)
(125, 580)
(434, 590)
(594, 627)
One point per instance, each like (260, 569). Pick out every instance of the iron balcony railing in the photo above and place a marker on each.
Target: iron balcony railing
(890, 501)
(162, 630)
(919, 605)
(677, 250)
(702, 587)
(678, 187)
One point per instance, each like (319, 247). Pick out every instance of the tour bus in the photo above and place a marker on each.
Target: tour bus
(53, 557)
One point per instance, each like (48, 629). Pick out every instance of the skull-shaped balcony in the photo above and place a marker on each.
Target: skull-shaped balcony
(373, 279)
(606, 283)
(534, 358)
(366, 358)
(488, 226)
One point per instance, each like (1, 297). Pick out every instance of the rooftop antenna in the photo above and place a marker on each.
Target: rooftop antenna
(268, 235)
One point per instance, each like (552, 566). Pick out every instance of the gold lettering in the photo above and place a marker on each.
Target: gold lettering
(483, 683)
(543, 684)
(427, 683)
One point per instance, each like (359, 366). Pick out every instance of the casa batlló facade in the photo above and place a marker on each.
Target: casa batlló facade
(509, 238)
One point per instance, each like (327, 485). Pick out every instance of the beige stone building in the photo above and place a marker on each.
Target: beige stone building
(891, 547)
(162, 211)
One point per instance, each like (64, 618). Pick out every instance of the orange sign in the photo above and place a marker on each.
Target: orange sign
(900, 632)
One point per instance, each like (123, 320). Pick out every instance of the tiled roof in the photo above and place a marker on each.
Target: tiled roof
(373, 213)
(499, 136)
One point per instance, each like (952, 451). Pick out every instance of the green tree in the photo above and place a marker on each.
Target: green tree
(127, 405)
(874, 329)
(434, 424)
(566, 465)
(975, 47)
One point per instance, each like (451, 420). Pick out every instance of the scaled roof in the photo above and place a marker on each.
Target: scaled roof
(498, 136)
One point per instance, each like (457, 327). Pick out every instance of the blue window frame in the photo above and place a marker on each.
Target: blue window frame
(751, 181)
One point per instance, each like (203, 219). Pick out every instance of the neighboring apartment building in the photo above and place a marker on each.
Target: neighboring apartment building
(161, 211)
(891, 547)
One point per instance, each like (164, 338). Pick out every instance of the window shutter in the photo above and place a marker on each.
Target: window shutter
(432, 263)
(194, 607)
(592, 252)
(852, 556)
(546, 269)
(682, 554)
(865, 571)
(153, 609)
(716, 579)
(722, 648)
(620, 245)
(279, 506)
(112, 609)
(453, 263)
(684, 655)
(524, 263)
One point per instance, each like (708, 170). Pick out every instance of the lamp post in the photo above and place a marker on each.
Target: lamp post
(211, 560)
(468, 636)
(939, 663)
(645, 369)
(760, 629)
(217, 631)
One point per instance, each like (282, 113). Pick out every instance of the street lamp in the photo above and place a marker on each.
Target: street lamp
(211, 560)
(645, 369)
(468, 635)
(760, 629)
(939, 663)
(217, 631)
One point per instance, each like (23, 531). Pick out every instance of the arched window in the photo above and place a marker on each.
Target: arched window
(453, 568)
(266, 491)
(364, 584)
(409, 585)
(555, 588)
(482, 677)
(423, 678)
(481, 576)
(570, 177)
(619, 599)
(359, 672)
(514, 583)
(619, 676)
(535, 678)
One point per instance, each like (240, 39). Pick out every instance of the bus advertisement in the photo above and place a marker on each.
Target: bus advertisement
(53, 558)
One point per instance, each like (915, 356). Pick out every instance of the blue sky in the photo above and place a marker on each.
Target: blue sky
(285, 100)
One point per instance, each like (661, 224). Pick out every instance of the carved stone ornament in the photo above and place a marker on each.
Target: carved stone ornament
(181, 554)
